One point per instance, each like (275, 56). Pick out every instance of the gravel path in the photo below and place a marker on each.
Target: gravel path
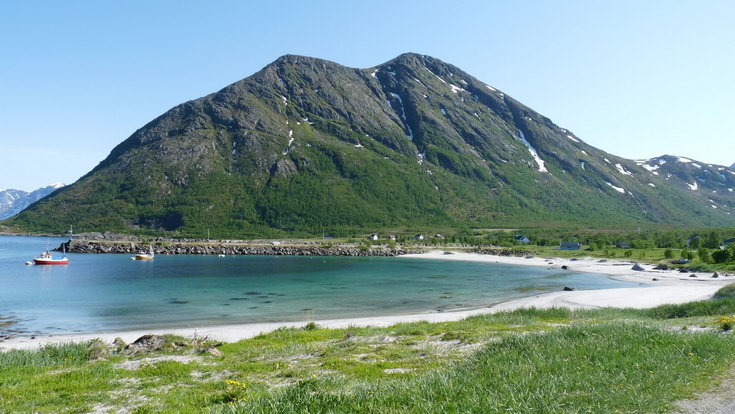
(721, 400)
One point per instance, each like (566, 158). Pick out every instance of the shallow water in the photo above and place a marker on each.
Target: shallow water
(107, 292)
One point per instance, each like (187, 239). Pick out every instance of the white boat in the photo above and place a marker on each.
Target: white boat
(144, 255)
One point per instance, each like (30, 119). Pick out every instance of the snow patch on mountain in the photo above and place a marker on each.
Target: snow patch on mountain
(650, 168)
(622, 170)
(403, 115)
(532, 150)
(618, 189)
(455, 88)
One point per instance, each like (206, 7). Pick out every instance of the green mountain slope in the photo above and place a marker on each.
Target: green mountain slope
(306, 144)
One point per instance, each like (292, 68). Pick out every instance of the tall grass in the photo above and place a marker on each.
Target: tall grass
(605, 368)
(49, 355)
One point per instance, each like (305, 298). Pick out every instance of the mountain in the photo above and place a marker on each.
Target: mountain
(306, 145)
(13, 202)
(712, 184)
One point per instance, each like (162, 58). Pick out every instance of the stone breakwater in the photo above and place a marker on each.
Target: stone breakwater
(89, 246)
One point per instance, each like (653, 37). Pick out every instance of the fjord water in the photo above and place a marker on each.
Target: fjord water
(108, 292)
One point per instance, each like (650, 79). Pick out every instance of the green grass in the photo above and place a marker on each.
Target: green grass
(532, 360)
(604, 368)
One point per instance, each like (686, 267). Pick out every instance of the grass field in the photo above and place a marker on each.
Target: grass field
(605, 360)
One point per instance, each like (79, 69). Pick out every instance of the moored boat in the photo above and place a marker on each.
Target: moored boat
(144, 256)
(46, 258)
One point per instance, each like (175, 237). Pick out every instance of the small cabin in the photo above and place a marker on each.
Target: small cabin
(438, 236)
(569, 246)
(418, 237)
(522, 239)
(622, 245)
(392, 237)
(373, 236)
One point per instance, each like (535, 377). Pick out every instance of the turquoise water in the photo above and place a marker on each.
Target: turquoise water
(102, 292)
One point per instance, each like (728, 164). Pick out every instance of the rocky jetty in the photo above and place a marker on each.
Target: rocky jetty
(224, 248)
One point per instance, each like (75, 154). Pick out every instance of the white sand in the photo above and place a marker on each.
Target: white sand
(672, 287)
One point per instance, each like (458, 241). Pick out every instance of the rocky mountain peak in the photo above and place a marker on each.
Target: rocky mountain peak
(306, 144)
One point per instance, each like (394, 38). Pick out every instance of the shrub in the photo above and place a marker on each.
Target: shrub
(703, 255)
(726, 322)
(721, 256)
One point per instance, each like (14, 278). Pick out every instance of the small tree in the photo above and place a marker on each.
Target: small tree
(712, 242)
(628, 253)
(668, 254)
(703, 255)
(695, 243)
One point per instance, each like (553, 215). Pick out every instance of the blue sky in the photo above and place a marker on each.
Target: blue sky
(634, 78)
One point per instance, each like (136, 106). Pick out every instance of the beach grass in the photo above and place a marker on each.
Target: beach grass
(530, 360)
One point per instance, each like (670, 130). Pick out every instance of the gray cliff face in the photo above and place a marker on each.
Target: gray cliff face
(306, 144)
(13, 202)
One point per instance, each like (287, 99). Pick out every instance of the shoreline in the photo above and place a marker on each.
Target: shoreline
(671, 287)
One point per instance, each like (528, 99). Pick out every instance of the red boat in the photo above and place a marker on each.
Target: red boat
(46, 258)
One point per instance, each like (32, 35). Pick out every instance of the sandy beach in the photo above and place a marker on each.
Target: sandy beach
(670, 287)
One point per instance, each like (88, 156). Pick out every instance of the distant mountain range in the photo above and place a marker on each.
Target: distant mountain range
(306, 145)
(13, 202)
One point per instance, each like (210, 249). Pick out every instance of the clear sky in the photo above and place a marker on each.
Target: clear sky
(635, 78)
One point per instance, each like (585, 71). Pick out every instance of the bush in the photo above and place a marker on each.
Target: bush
(721, 256)
(726, 322)
(668, 254)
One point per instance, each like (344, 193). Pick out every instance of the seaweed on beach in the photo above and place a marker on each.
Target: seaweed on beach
(9, 327)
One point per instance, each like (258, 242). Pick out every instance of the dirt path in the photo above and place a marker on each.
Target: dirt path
(720, 400)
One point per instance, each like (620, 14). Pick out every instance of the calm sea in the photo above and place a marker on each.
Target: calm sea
(103, 292)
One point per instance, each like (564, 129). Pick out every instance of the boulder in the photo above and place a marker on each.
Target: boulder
(637, 268)
(565, 267)
(715, 275)
(211, 350)
(147, 343)
(692, 275)
(97, 350)
(568, 289)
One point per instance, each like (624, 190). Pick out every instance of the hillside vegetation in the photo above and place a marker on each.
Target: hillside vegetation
(307, 146)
